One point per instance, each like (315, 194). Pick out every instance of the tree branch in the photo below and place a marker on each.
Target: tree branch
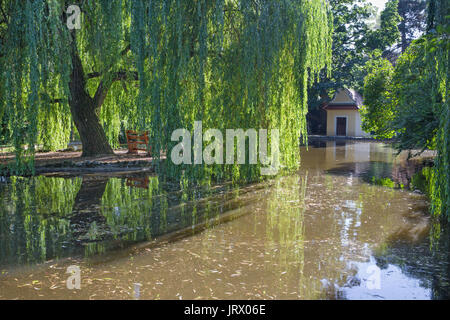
(102, 89)
(3, 13)
(119, 75)
(93, 75)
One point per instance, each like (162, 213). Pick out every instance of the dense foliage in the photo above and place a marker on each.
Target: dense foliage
(377, 111)
(413, 23)
(159, 66)
(411, 101)
(356, 39)
(387, 34)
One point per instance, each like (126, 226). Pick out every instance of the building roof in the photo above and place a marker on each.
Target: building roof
(345, 99)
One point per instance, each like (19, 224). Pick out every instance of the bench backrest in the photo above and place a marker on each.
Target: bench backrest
(134, 139)
(133, 136)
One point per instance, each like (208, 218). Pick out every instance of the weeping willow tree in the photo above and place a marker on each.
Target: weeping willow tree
(159, 65)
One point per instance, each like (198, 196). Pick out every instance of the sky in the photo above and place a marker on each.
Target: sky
(378, 3)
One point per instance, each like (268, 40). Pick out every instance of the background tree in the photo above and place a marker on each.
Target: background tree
(378, 109)
(355, 41)
(351, 26)
(413, 24)
(388, 33)
(412, 102)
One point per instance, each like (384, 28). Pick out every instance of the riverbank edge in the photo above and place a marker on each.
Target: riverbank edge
(68, 163)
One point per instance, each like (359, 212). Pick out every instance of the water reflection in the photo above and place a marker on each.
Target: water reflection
(375, 163)
(349, 157)
(43, 218)
(34, 223)
(315, 234)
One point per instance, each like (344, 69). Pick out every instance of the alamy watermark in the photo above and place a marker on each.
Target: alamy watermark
(374, 279)
(74, 280)
(213, 153)
(73, 17)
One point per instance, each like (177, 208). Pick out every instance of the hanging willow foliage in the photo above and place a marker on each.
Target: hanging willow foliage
(228, 63)
(34, 67)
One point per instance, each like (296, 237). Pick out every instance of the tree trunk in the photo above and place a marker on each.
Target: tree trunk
(85, 111)
(402, 28)
(92, 135)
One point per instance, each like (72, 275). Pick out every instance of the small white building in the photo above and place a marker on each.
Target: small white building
(343, 117)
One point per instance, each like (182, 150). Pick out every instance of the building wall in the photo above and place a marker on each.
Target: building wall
(353, 123)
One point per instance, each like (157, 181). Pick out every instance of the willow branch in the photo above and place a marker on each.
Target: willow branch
(103, 86)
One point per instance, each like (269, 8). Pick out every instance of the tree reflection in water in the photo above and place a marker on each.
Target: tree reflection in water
(308, 235)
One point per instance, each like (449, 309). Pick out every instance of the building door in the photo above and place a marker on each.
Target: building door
(341, 126)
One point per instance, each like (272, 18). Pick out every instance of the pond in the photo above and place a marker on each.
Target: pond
(325, 232)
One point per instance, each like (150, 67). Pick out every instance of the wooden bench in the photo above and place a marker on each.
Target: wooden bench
(135, 140)
(138, 182)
